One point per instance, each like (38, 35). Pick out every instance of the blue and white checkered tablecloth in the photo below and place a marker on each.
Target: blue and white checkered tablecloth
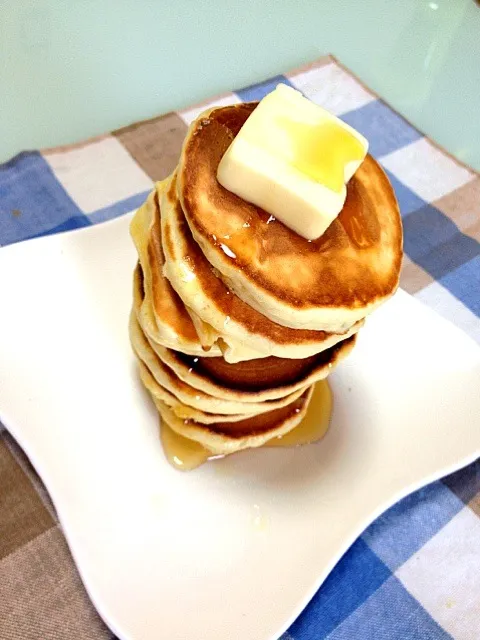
(414, 574)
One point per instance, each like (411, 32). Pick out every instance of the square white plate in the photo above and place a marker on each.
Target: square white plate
(236, 548)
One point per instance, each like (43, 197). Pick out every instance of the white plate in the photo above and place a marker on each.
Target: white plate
(237, 548)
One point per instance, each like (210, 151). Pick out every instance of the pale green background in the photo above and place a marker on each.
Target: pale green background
(76, 68)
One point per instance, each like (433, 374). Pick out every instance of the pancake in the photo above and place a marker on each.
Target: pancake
(226, 438)
(194, 280)
(253, 380)
(164, 317)
(188, 395)
(257, 380)
(207, 335)
(163, 314)
(327, 284)
(181, 410)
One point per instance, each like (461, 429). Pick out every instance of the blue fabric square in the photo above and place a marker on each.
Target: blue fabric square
(260, 90)
(408, 201)
(119, 208)
(390, 614)
(359, 574)
(384, 129)
(402, 530)
(465, 483)
(432, 240)
(464, 283)
(33, 202)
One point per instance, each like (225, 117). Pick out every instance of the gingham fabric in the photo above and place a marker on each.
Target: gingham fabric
(415, 572)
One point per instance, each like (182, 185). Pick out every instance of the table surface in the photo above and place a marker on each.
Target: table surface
(73, 69)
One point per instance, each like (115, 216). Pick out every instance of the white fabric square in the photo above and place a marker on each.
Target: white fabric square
(189, 115)
(438, 298)
(332, 88)
(444, 576)
(438, 175)
(98, 174)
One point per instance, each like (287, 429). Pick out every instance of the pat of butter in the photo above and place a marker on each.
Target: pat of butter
(293, 159)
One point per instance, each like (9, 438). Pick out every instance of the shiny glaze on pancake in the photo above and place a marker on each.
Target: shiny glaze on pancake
(354, 265)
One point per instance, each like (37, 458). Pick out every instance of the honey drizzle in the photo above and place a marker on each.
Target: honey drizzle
(185, 454)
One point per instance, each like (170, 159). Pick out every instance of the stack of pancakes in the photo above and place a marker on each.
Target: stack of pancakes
(235, 316)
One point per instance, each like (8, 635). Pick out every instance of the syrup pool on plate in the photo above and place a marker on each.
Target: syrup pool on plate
(186, 454)
(182, 453)
(314, 425)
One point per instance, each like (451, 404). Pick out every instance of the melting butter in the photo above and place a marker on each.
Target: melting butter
(185, 454)
(293, 159)
(323, 151)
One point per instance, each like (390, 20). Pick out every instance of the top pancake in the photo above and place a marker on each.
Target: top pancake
(327, 284)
